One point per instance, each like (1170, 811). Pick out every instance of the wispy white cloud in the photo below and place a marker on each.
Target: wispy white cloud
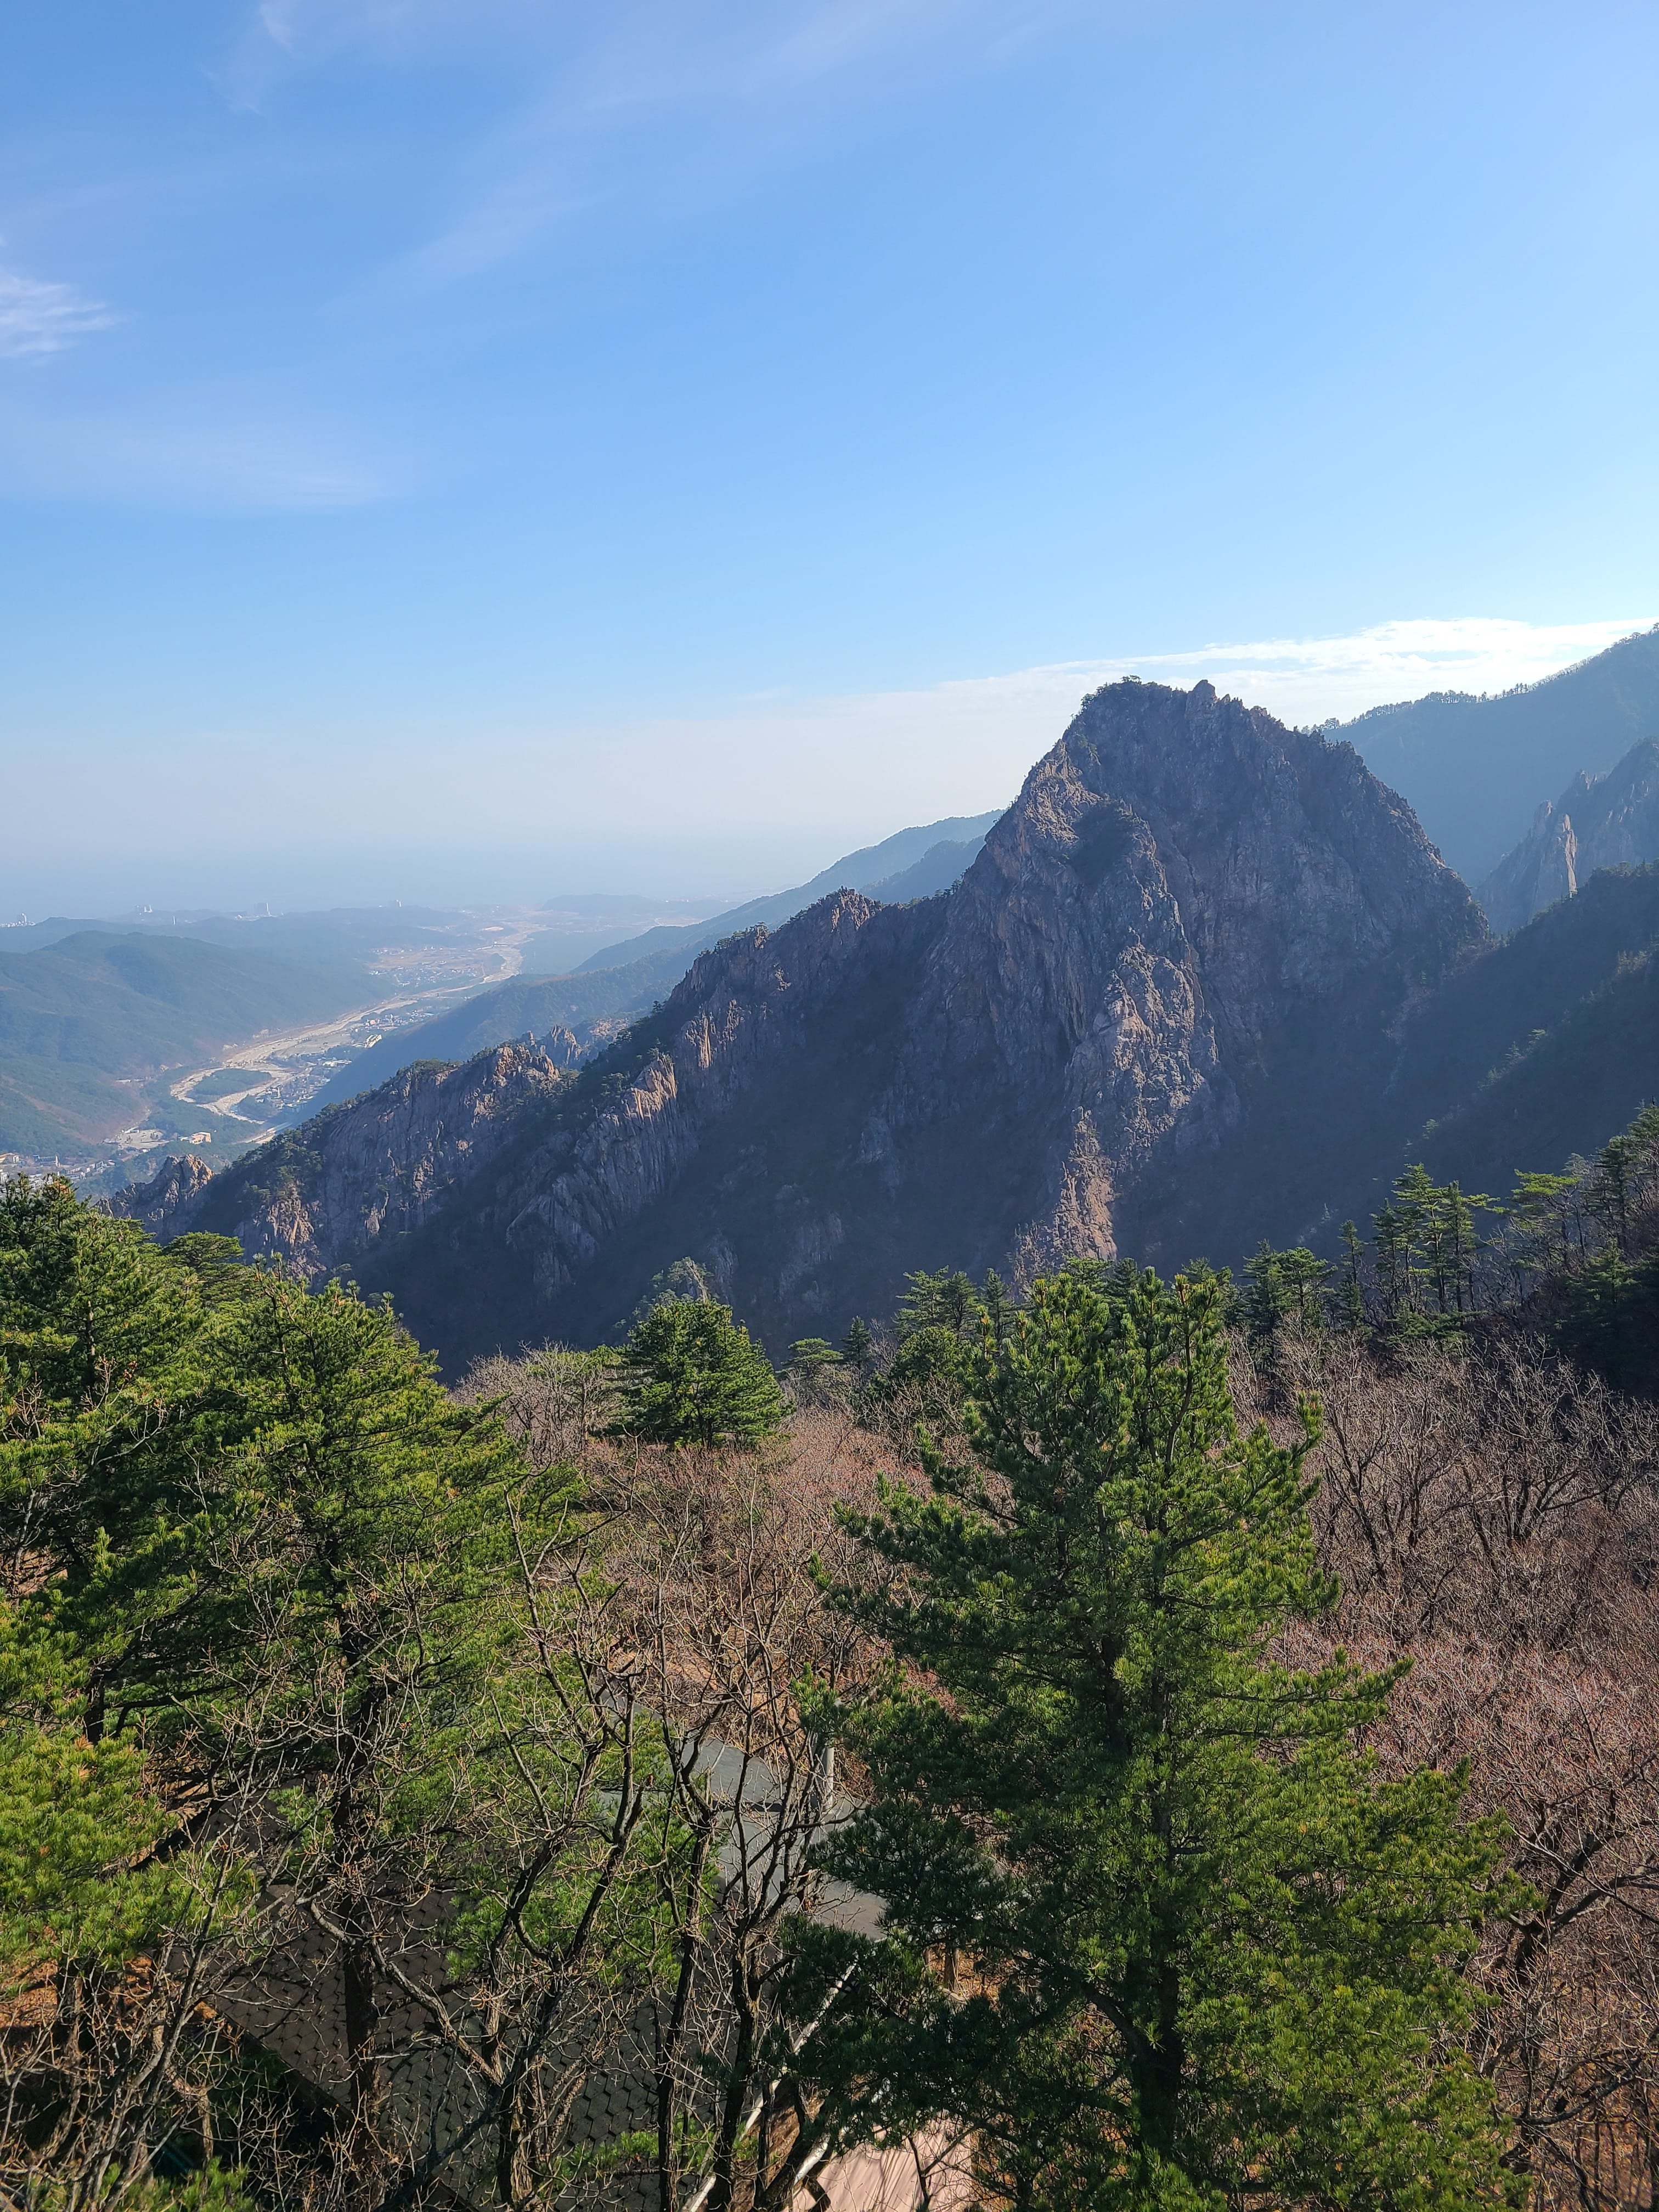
(858, 765)
(1314, 680)
(38, 316)
(634, 103)
(965, 744)
(673, 100)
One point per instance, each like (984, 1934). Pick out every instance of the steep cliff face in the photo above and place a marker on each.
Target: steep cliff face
(762, 1003)
(1186, 896)
(1158, 1007)
(168, 1199)
(1542, 868)
(349, 1183)
(1609, 821)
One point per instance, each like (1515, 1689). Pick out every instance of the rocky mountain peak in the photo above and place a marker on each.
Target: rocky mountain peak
(1117, 1033)
(1182, 881)
(169, 1195)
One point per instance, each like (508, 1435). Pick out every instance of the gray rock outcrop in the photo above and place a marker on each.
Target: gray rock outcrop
(355, 1178)
(165, 1203)
(1599, 822)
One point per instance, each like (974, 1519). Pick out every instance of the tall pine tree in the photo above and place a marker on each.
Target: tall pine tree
(692, 1376)
(1157, 1930)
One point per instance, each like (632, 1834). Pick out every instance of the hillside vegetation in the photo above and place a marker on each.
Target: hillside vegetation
(438, 1793)
(88, 1024)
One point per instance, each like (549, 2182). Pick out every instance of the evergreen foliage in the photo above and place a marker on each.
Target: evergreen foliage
(858, 1346)
(1285, 1289)
(294, 1647)
(1586, 1246)
(285, 1627)
(808, 1352)
(1351, 1294)
(692, 1376)
(946, 1302)
(939, 1319)
(1156, 1928)
(80, 1892)
(682, 1279)
(1426, 1251)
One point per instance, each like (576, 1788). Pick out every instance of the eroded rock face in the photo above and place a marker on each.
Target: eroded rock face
(1169, 983)
(744, 1010)
(164, 1203)
(1542, 868)
(1181, 886)
(1599, 822)
(343, 1186)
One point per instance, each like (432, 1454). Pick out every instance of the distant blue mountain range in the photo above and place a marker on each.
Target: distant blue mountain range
(624, 980)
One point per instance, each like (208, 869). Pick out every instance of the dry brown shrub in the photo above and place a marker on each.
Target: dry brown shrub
(1494, 1519)
(716, 1561)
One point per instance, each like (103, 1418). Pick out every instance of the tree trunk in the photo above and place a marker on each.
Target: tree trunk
(362, 2022)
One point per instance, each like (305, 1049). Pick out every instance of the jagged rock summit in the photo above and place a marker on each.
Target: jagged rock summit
(1154, 1015)
(334, 1192)
(165, 1203)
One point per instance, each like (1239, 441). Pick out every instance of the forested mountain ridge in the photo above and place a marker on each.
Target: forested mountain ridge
(1476, 769)
(89, 1019)
(1188, 911)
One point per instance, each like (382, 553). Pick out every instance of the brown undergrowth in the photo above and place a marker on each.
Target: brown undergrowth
(1493, 1519)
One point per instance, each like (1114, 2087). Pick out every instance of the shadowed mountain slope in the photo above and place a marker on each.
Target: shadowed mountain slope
(1546, 1046)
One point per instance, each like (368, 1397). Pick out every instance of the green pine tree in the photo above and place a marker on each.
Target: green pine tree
(1458, 1244)
(1285, 1289)
(1353, 1292)
(81, 1892)
(997, 1304)
(1426, 1251)
(813, 1352)
(1541, 1210)
(692, 1376)
(858, 1346)
(1614, 1184)
(306, 1656)
(1267, 1300)
(1205, 1956)
(946, 1300)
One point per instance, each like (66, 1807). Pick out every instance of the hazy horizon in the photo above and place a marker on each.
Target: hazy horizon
(455, 451)
(957, 748)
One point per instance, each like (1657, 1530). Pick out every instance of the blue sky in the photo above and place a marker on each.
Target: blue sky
(463, 446)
